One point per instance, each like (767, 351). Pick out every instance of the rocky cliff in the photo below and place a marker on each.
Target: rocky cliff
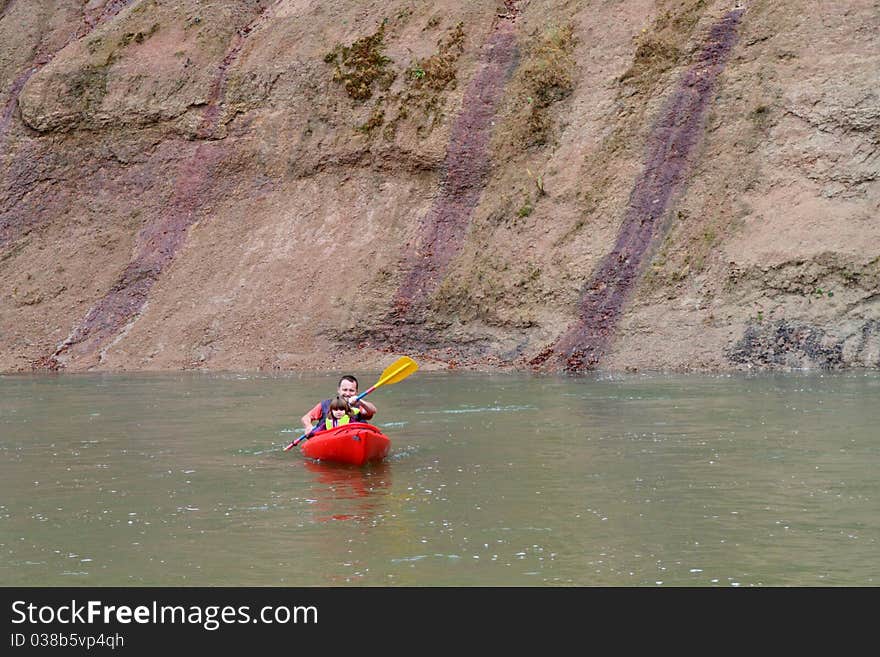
(551, 186)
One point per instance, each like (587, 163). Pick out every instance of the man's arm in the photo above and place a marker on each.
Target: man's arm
(368, 410)
(312, 416)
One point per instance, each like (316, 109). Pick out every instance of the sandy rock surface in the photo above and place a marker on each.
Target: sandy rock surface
(536, 185)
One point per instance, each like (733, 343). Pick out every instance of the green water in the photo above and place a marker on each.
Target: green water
(493, 480)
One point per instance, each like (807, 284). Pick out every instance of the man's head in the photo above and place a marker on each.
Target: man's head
(348, 386)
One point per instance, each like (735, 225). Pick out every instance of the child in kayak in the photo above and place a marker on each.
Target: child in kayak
(347, 389)
(340, 413)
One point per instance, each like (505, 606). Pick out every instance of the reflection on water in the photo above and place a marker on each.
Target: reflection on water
(336, 488)
(494, 480)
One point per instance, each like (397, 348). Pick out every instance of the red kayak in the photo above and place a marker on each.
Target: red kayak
(355, 443)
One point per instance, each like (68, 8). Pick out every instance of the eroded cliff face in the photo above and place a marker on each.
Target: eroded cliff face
(286, 184)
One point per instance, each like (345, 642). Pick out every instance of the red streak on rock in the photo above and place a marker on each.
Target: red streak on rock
(88, 23)
(12, 227)
(669, 153)
(157, 246)
(14, 93)
(7, 7)
(159, 242)
(443, 228)
(218, 87)
(109, 10)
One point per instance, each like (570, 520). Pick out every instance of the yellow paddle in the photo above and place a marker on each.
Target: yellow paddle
(394, 373)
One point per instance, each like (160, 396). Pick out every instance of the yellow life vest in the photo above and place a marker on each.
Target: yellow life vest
(345, 419)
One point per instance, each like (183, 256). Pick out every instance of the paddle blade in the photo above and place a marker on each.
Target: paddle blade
(397, 371)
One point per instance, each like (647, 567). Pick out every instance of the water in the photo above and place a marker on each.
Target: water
(493, 480)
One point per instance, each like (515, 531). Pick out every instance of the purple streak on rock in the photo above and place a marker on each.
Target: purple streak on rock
(7, 7)
(89, 22)
(159, 242)
(669, 155)
(211, 116)
(443, 228)
(13, 225)
(14, 93)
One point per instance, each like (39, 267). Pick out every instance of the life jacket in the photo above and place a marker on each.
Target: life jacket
(326, 421)
(329, 422)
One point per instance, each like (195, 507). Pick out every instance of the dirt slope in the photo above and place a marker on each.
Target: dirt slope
(557, 186)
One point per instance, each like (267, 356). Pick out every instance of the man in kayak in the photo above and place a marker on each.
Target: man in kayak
(348, 390)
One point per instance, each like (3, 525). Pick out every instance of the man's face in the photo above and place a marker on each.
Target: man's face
(347, 389)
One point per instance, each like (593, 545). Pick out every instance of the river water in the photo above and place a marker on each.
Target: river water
(493, 480)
